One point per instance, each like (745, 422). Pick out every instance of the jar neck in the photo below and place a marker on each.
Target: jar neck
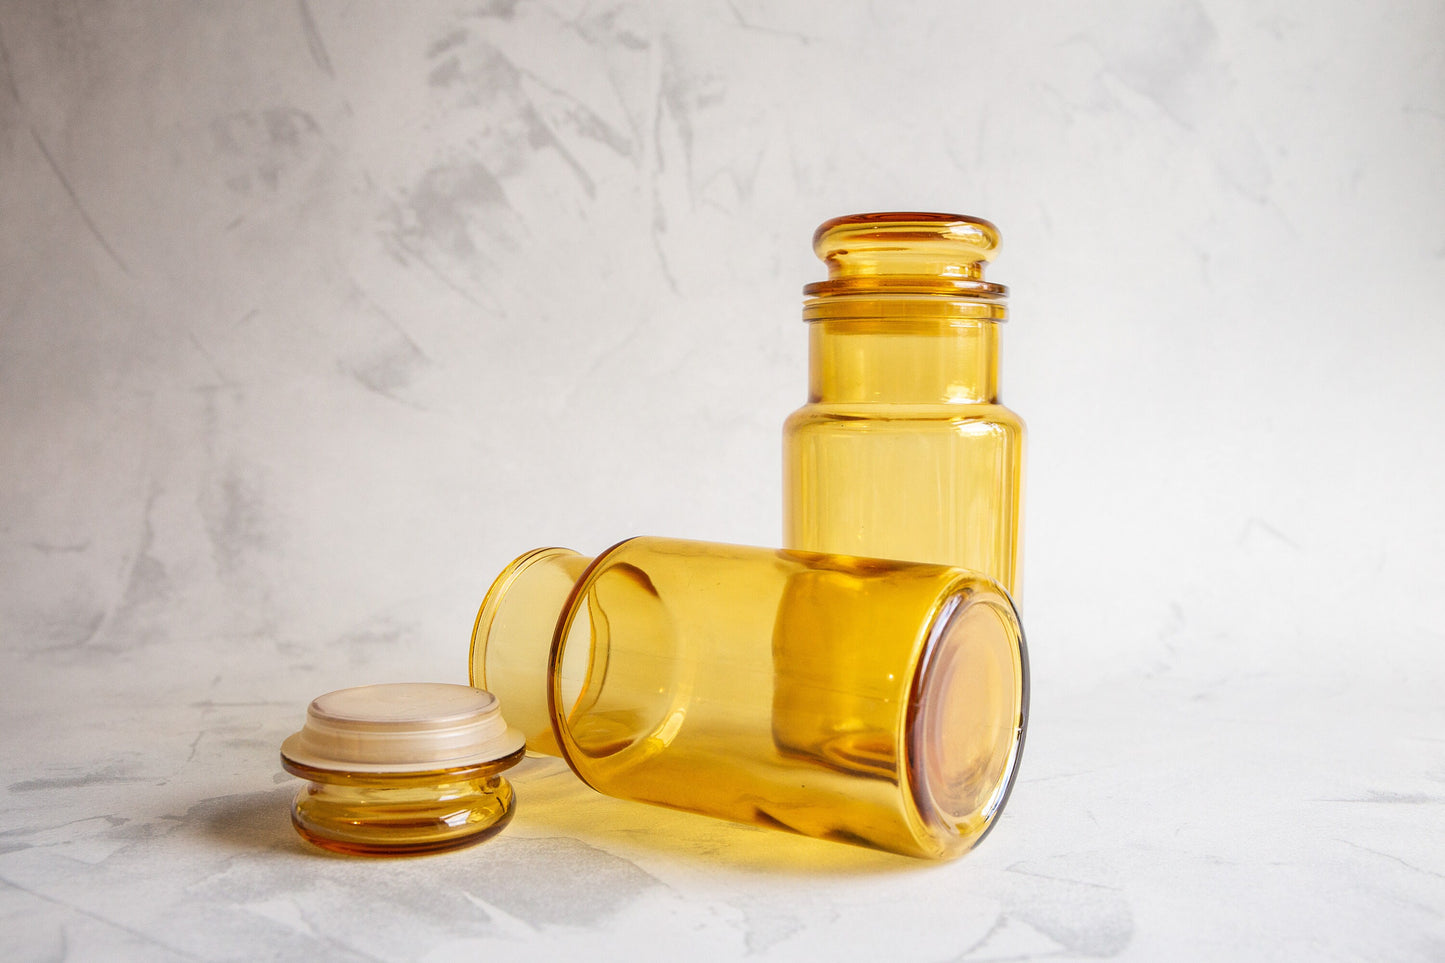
(903, 361)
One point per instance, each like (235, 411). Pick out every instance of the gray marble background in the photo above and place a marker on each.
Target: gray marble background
(313, 314)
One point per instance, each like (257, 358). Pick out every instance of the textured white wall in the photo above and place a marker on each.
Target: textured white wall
(314, 314)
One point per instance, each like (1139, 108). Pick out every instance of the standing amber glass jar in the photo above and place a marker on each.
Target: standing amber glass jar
(903, 450)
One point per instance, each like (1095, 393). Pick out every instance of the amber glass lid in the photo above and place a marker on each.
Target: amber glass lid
(909, 252)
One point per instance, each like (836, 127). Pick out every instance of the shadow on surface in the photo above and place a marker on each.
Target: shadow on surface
(551, 800)
(554, 803)
(249, 821)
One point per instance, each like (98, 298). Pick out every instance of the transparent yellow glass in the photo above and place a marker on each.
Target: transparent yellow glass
(402, 768)
(376, 814)
(873, 702)
(903, 450)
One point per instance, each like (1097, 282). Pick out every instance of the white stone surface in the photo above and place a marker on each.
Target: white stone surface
(312, 315)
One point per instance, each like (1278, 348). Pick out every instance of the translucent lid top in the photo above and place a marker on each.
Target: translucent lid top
(406, 727)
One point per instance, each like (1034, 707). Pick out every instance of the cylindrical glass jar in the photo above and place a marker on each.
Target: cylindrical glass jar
(903, 450)
(873, 702)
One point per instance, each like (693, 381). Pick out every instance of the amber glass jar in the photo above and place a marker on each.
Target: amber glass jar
(705, 677)
(903, 450)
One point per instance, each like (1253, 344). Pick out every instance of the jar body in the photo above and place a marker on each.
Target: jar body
(931, 482)
(707, 678)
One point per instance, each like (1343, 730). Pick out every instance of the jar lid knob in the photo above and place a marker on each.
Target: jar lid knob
(906, 244)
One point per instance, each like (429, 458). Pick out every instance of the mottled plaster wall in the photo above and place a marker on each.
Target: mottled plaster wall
(313, 314)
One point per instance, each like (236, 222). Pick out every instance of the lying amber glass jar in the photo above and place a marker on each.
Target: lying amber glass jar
(689, 675)
(903, 449)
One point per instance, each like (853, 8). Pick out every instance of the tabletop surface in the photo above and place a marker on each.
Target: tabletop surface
(1269, 815)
